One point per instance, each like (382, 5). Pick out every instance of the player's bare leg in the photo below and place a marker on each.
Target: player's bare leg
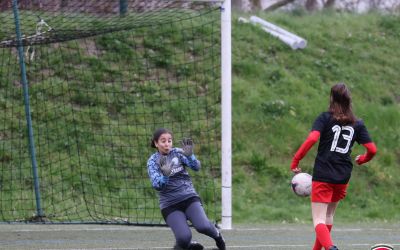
(319, 214)
(330, 212)
(319, 210)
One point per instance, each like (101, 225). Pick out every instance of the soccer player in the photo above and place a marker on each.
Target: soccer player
(179, 201)
(337, 130)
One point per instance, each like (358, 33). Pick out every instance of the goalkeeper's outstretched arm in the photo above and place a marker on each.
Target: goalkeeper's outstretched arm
(158, 180)
(191, 162)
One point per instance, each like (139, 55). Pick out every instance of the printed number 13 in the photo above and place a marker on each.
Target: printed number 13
(348, 137)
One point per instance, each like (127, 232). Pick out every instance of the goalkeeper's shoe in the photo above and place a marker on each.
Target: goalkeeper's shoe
(333, 248)
(220, 242)
(195, 246)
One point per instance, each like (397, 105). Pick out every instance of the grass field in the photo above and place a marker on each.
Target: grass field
(277, 92)
(252, 237)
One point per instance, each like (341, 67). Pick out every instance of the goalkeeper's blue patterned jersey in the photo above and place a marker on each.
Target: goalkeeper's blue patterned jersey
(179, 186)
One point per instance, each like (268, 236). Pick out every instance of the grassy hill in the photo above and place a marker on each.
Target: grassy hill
(278, 92)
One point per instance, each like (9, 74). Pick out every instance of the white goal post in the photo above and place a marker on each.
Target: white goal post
(226, 116)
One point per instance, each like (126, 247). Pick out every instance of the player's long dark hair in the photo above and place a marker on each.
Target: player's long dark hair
(157, 134)
(340, 104)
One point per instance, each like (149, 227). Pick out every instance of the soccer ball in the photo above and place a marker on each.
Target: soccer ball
(301, 184)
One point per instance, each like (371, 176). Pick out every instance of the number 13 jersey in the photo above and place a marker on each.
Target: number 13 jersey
(333, 163)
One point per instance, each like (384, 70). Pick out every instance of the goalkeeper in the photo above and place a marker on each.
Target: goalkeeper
(179, 201)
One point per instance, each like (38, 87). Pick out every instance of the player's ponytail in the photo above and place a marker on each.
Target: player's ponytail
(340, 104)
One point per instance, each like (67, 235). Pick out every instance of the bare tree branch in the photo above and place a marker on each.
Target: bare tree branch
(329, 3)
(256, 4)
(279, 4)
(311, 5)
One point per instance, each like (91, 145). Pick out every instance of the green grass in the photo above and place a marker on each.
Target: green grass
(94, 104)
(277, 92)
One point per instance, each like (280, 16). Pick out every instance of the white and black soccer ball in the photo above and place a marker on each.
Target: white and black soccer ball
(301, 184)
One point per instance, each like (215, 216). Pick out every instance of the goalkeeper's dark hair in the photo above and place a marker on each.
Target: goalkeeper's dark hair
(157, 134)
(340, 104)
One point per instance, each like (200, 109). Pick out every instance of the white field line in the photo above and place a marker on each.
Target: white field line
(230, 246)
(128, 228)
(311, 229)
(87, 229)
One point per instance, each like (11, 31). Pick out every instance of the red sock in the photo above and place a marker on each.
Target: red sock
(317, 245)
(323, 235)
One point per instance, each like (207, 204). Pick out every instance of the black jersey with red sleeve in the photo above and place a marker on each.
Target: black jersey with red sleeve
(333, 163)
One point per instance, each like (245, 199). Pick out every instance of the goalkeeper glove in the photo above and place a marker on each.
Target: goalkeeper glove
(187, 146)
(166, 165)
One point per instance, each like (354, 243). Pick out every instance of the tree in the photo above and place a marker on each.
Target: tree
(309, 5)
(312, 5)
(278, 4)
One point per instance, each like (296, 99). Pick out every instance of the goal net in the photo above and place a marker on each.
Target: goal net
(102, 76)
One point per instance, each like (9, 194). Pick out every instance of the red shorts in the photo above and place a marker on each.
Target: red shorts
(327, 192)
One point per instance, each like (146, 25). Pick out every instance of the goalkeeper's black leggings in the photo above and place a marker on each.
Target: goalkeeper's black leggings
(177, 221)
